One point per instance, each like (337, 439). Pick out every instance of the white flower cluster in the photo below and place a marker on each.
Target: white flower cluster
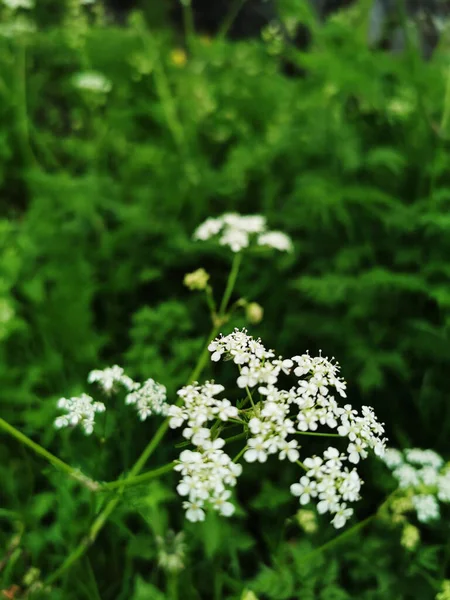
(423, 473)
(237, 231)
(331, 483)
(110, 378)
(80, 410)
(207, 472)
(303, 408)
(16, 4)
(92, 82)
(149, 398)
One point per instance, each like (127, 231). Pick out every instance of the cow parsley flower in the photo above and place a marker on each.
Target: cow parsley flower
(207, 474)
(427, 507)
(149, 398)
(240, 231)
(308, 406)
(111, 378)
(80, 410)
(92, 82)
(423, 477)
(331, 483)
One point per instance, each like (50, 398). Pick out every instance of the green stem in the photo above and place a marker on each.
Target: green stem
(351, 531)
(211, 303)
(48, 456)
(188, 20)
(137, 479)
(250, 397)
(201, 363)
(231, 282)
(239, 454)
(446, 112)
(229, 19)
(339, 538)
(169, 108)
(233, 438)
(9, 514)
(22, 111)
(300, 464)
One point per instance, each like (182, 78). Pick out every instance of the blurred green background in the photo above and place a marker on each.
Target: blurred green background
(101, 187)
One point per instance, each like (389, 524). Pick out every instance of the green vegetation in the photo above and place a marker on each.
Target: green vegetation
(116, 142)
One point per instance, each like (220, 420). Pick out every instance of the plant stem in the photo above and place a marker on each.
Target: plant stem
(201, 363)
(229, 19)
(22, 112)
(239, 454)
(350, 531)
(188, 21)
(249, 394)
(233, 438)
(9, 514)
(231, 282)
(137, 479)
(340, 537)
(48, 456)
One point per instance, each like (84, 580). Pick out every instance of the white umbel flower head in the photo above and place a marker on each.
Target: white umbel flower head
(241, 231)
(423, 477)
(80, 410)
(93, 82)
(149, 398)
(111, 378)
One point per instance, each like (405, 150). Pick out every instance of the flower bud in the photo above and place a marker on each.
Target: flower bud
(410, 537)
(444, 594)
(197, 280)
(248, 595)
(178, 57)
(307, 520)
(254, 313)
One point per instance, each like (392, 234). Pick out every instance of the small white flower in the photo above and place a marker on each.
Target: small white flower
(194, 511)
(305, 489)
(426, 507)
(80, 410)
(407, 476)
(149, 398)
(223, 507)
(239, 231)
(356, 451)
(289, 450)
(342, 515)
(277, 240)
(110, 378)
(92, 82)
(257, 450)
(314, 465)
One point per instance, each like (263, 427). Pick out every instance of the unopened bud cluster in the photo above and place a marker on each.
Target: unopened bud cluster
(423, 477)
